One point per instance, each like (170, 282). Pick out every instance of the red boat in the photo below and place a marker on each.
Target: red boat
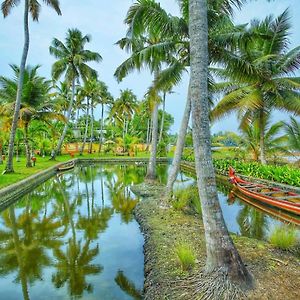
(272, 196)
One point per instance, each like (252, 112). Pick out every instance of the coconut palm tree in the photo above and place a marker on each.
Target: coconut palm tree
(72, 60)
(124, 108)
(292, 130)
(260, 77)
(222, 256)
(31, 7)
(173, 48)
(105, 98)
(274, 142)
(35, 101)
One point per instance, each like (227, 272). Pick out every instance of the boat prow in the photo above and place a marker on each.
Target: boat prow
(66, 166)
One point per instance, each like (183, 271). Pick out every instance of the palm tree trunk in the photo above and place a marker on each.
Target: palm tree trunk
(222, 256)
(9, 165)
(162, 118)
(148, 132)
(27, 147)
(17, 151)
(101, 129)
(92, 127)
(179, 147)
(68, 116)
(1, 160)
(86, 126)
(262, 137)
(151, 171)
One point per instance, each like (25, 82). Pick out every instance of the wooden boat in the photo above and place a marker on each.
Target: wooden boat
(272, 196)
(66, 166)
(276, 213)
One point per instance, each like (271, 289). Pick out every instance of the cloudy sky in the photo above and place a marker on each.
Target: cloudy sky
(104, 21)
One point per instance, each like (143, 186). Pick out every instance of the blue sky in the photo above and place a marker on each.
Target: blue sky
(104, 21)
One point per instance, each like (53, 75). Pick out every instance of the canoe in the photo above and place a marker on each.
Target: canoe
(66, 166)
(276, 213)
(288, 201)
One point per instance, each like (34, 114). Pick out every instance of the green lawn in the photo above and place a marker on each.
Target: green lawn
(22, 172)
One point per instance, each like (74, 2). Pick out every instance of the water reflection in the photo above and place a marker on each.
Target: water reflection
(75, 235)
(51, 240)
(242, 215)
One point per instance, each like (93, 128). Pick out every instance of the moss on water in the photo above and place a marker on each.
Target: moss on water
(277, 273)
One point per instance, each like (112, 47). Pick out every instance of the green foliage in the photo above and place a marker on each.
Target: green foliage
(187, 197)
(283, 174)
(162, 149)
(181, 200)
(185, 256)
(284, 238)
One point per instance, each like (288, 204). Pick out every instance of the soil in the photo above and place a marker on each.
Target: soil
(276, 273)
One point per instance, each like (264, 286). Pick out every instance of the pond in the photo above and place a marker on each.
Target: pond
(75, 236)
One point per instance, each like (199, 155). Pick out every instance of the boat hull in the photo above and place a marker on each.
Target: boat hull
(245, 187)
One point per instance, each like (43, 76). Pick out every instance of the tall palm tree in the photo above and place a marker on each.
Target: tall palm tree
(35, 101)
(31, 7)
(138, 41)
(173, 48)
(105, 98)
(261, 76)
(222, 256)
(72, 60)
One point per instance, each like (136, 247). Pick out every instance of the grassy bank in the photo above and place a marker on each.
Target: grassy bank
(276, 272)
(21, 172)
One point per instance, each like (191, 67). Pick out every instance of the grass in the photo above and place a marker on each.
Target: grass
(185, 256)
(274, 271)
(284, 238)
(187, 197)
(21, 172)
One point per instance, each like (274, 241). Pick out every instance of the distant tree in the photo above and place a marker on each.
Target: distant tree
(72, 60)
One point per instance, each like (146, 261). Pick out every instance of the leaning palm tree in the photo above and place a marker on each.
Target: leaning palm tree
(31, 7)
(223, 259)
(136, 41)
(260, 77)
(173, 49)
(72, 60)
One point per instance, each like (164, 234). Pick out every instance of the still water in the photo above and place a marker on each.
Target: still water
(75, 237)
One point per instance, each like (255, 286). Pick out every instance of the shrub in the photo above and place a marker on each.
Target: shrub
(180, 201)
(187, 197)
(185, 256)
(284, 238)
(284, 174)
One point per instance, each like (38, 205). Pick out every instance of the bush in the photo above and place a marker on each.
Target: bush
(187, 197)
(284, 238)
(284, 174)
(185, 256)
(180, 200)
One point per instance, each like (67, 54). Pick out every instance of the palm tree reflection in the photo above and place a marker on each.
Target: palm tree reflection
(127, 286)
